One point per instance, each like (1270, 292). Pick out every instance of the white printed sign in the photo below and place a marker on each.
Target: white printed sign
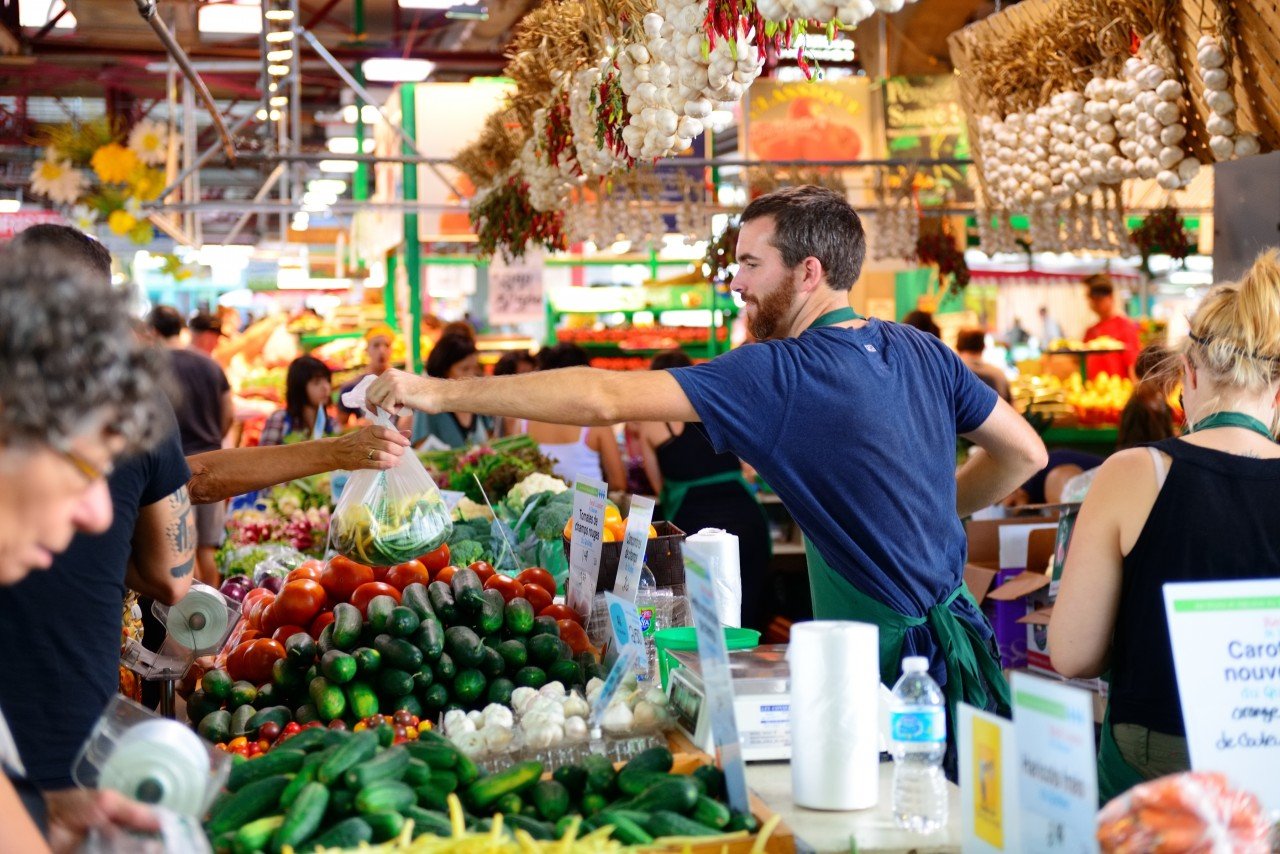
(1226, 651)
(988, 782)
(515, 292)
(634, 543)
(585, 544)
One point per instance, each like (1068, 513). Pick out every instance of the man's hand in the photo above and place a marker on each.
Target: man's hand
(396, 389)
(369, 448)
(74, 812)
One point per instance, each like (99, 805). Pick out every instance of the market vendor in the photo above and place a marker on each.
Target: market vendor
(1112, 323)
(852, 421)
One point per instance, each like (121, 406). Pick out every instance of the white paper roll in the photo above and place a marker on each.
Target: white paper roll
(717, 550)
(835, 671)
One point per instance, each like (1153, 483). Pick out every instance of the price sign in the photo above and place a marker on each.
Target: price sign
(625, 630)
(713, 656)
(633, 546)
(515, 292)
(585, 544)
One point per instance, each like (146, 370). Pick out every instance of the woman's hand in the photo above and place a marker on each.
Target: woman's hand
(396, 389)
(369, 448)
(74, 812)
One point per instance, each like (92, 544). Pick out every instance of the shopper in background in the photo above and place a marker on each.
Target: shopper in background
(308, 390)
(1112, 324)
(514, 362)
(453, 358)
(1201, 507)
(1048, 485)
(77, 390)
(923, 320)
(377, 343)
(205, 413)
(578, 451)
(970, 344)
(852, 422)
(206, 332)
(700, 488)
(1050, 329)
(1146, 416)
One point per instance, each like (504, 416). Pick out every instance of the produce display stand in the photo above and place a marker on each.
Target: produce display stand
(1081, 356)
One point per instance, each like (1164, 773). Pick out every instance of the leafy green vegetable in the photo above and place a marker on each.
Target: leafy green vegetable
(465, 552)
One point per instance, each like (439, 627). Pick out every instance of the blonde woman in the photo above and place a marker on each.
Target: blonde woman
(1202, 507)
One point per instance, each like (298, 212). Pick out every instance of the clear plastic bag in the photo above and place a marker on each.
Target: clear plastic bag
(388, 517)
(1196, 812)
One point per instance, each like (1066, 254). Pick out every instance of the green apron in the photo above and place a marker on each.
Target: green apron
(675, 491)
(973, 665)
(1115, 776)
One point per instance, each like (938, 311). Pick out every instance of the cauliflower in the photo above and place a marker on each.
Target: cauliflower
(531, 486)
(468, 509)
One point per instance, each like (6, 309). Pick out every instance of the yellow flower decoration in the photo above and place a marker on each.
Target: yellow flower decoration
(114, 163)
(150, 141)
(146, 184)
(121, 222)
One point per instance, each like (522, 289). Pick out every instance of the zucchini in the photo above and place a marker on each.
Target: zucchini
(342, 803)
(712, 779)
(632, 777)
(518, 617)
(385, 825)
(348, 833)
(431, 796)
(667, 823)
(426, 821)
(675, 794)
(625, 830)
(269, 764)
(255, 835)
(742, 821)
(387, 765)
(385, 796)
(492, 608)
(415, 596)
(347, 624)
(484, 792)
(430, 638)
(551, 799)
(468, 590)
(303, 817)
(253, 801)
(360, 747)
(446, 781)
(441, 598)
(466, 771)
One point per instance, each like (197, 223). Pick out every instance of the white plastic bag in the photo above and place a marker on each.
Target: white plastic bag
(388, 517)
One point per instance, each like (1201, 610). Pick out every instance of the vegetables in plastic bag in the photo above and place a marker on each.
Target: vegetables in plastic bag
(388, 517)
(1192, 813)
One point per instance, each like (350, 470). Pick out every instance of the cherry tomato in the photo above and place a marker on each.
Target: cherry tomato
(310, 570)
(299, 602)
(318, 624)
(258, 657)
(413, 572)
(446, 574)
(574, 635)
(539, 576)
(341, 577)
(436, 560)
(537, 597)
(482, 569)
(506, 585)
(338, 723)
(365, 593)
(292, 727)
(283, 633)
(560, 612)
(269, 731)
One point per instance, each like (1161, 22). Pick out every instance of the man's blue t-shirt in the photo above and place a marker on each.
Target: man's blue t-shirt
(855, 430)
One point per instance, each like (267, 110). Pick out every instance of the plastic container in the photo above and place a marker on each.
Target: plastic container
(686, 638)
(918, 731)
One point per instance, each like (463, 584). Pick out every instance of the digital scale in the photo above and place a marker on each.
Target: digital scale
(761, 702)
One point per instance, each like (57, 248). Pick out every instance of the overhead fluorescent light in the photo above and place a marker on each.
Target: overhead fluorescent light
(38, 13)
(280, 15)
(468, 12)
(393, 70)
(280, 36)
(10, 205)
(327, 185)
(279, 55)
(279, 100)
(229, 18)
(339, 166)
(368, 113)
(347, 145)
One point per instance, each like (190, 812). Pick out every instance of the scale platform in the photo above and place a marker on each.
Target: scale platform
(762, 700)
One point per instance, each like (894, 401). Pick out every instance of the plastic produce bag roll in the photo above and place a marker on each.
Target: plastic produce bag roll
(835, 677)
(717, 550)
(388, 517)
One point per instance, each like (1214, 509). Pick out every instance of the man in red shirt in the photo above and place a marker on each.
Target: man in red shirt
(1112, 324)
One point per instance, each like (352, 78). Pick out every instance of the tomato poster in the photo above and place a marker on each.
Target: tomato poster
(808, 120)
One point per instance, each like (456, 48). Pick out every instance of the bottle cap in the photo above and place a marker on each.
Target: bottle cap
(915, 664)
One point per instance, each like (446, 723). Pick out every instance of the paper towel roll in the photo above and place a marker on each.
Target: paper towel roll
(717, 550)
(835, 671)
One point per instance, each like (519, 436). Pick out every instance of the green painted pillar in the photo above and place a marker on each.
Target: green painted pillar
(389, 290)
(412, 248)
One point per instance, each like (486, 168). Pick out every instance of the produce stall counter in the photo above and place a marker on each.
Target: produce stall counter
(869, 831)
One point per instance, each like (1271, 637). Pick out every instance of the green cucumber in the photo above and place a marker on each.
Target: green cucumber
(567, 672)
(544, 650)
(269, 695)
(379, 611)
(518, 617)
(217, 684)
(280, 715)
(463, 645)
(430, 638)
(491, 663)
(415, 596)
(338, 667)
(631, 779)
(385, 796)
(307, 713)
(300, 649)
(509, 804)
(254, 801)
(441, 598)
(710, 812)
(388, 765)
(466, 770)
(303, 817)
(311, 738)
(531, 677)
(240, 720)
(424, 679)
(435, 699)
(328, 698)
(270, 764)
(593, 802)
(492, 609)
(445, 780)
(573, 778)
(545, 626)
(402, 622)
(676, 794)
(426, 821)
(255, 835)
(348, 833)
(667, 823)
(625, 830)
(432, 796)
(342, 803)
(441, 757)
(325, 642)
(242, 692)
(712, 779)
(551, 798)
(444, 668)
(468, 590)
(514, 654)
(600, 774)
(538, 830)
(394, 683)
(385, 825)
(361, 699)
(287, 676)
(215, 726)
(484, 792)
(200, 704)
(359, 747)
(306, 774)
(417, 772)
(368, 661)
(398, 653)
(500, 690)
(742, 821)
(410, 704)
(347, 624)
(468, 686)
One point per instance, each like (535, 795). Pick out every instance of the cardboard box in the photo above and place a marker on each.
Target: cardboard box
(1000, 551)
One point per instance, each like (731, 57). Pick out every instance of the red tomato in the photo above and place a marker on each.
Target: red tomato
(380, 573)
(537, 575)
(365, 593)
(299, 602)
(253, 610)
(318, 624)
(283, 633)
(482, 569)
(560, 612)
(252, 598)
(270, 619)
(436, 560)
(413, 572)
(506, 585)
(446, 574)
(341, 577)
(309, 570)
(259, 655)
(574, 635)
(537, 597)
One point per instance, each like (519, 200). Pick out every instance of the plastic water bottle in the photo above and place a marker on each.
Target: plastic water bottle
(918, 729)
(646, 601)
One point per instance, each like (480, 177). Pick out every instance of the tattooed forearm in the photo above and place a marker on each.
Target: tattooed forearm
(181, 533)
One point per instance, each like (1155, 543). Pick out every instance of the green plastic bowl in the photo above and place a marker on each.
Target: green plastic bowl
(685, 638)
